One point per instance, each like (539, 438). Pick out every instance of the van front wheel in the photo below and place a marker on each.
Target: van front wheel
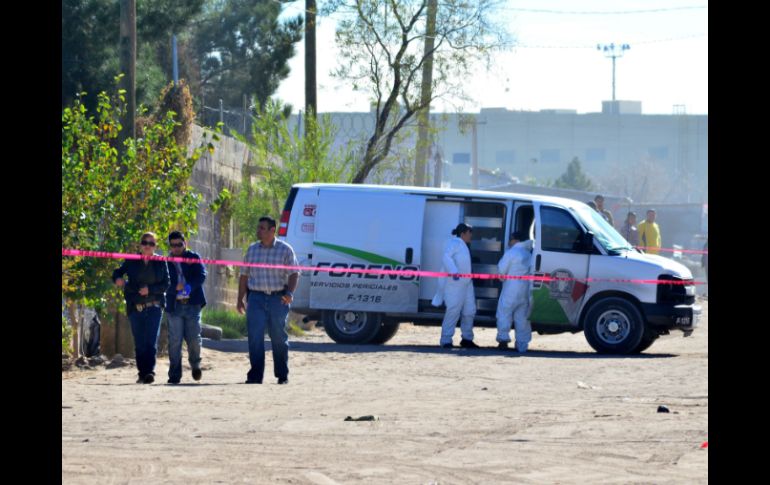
(614, 326)
(351, 326)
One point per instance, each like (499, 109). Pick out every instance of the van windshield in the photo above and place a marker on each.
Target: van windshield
(604, 233)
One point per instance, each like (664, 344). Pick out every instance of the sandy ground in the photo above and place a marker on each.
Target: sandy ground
(445, 416)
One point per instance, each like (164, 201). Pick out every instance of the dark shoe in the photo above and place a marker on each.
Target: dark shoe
(446, 346)
(503, 345)
(197, 373)
(285, 380)
(172, 381)
(252, 381)
(149, 378)
(140, 380)
(468, 344)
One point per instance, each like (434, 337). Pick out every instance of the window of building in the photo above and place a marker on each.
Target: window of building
(596, 155)
(458, 158)
(550, 155)
(659, 153)
(505, 156)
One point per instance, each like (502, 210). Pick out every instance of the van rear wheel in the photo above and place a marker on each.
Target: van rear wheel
(386, 332)
(351, 326)
(614, 326)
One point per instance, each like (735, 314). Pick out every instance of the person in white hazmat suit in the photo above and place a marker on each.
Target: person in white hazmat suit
(514, 298)
(457, 293)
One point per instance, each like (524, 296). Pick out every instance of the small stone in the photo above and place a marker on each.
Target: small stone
(663, 409)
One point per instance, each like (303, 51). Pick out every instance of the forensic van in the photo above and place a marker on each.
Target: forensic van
(340, 227)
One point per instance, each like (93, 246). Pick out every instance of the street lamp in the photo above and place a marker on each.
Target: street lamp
(613, 51)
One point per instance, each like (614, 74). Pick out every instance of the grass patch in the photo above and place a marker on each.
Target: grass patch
(233, 324)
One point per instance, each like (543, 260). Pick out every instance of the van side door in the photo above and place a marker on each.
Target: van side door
(558, 252)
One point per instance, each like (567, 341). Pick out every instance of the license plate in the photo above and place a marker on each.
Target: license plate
(683, 321)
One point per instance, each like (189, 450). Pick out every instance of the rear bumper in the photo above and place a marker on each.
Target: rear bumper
(672, 317)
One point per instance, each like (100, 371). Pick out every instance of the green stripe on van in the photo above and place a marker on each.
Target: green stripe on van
(357, 253)
(546, 309)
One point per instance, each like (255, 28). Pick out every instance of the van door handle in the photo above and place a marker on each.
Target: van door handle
(408, 256)
(537, 263)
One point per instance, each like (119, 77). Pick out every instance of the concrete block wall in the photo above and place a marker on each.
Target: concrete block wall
(212, 173)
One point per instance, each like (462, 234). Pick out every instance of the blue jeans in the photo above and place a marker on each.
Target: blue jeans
(270, 311)
(145, 326)
(183, 323)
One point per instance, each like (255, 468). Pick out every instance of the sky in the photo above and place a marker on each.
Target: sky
(554, 63)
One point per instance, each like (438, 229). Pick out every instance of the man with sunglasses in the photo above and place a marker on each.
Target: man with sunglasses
(144, 282)
(184, 301)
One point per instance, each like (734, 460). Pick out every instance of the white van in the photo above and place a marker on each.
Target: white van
(343, 226)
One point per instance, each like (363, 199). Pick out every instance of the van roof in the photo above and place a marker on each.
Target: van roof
(487, 194)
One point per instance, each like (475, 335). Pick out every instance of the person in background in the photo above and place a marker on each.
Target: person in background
(514, 297)
(629, 231)
(145, 294)
(458, 294)
(270, 293)
(184, 301)
(649, 234)
(599, 199)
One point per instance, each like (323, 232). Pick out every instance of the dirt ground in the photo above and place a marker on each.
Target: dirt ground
(559, 414)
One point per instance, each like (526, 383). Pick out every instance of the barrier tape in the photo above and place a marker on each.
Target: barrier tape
(390, 272)
(674, 250)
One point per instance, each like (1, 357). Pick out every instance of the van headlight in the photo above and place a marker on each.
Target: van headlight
(681, 292)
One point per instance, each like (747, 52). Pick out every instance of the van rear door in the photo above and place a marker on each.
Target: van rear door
(366, 230)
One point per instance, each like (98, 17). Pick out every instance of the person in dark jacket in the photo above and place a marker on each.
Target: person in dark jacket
(184, 301)
(145, 294)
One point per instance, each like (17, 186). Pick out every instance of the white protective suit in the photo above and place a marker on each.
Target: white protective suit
(457, 295)
(514, 298)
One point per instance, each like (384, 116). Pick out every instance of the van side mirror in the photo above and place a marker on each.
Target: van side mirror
(588, 242)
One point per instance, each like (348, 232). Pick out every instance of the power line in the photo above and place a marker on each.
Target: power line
(593, 46)
(598, 12)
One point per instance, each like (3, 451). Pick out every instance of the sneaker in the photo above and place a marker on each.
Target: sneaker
(197, 373)
(468, 344)
(252, 381)
(149, 378)
(285, 380)
(173, 381)
(502, 345)
(446, 346)
(140, 380)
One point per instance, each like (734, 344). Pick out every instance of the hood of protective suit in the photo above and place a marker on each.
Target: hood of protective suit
(526, 245)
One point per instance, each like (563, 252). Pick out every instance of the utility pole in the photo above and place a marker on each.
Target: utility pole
(128, 65)
(613, 51)
(475, 158)
(174, 60)
(311, 100)
(423, 144)
(473, 121)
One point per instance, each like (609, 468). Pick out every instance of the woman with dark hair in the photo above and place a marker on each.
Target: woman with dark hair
(629, 231)
(457, 292)
(145, 294)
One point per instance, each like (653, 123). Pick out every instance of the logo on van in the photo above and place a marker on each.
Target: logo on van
(562, 288)
(348, 274)
(309, 210)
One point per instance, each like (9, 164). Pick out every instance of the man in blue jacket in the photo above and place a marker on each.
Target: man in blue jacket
(184, 301)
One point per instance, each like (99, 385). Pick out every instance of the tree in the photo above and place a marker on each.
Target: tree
(284, 158)
(104, 211)
(244, 49)
(90, 37)
(574, 178)
(382, 51)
